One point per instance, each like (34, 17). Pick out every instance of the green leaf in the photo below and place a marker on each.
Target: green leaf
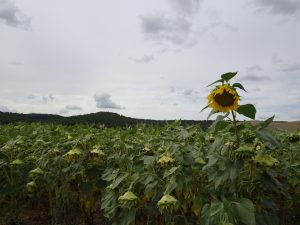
(204, 108)
(221, 80)
(212, 112)
(171, 171)
(197, 204)
(265, 135)
(244, 211)
(119, 180)
(266, 123)
(228, 76)
(240, 86)
(216, 207)
(247, 110)
(205, 220)
(171, 186)
(221, 125)
(127, 216)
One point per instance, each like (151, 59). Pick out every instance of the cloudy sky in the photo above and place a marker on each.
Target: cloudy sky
(147, 59)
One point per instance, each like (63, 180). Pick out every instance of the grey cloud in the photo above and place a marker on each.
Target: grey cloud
(279, 6)
(103, 101)
(15, 63)
(253, 69)
(292, 67)
(12, 16)
(188, 92)
(187, 7)
(73, 107)
(172, 89)
(63, 111)
(4, 109)
(145, 59)
(253, 77)
(47, 98)
(162, 28)
(230, 27)
(51, 97)
(276, 59)
(252, 74)
(31, 96)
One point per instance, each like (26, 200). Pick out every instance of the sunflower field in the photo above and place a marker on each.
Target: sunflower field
(233, 173)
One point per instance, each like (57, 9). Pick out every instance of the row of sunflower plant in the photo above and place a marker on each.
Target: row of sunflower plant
(233, 173)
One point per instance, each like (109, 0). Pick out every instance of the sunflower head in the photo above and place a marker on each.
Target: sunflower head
(223, 98)
(128, 200)
(167, 203)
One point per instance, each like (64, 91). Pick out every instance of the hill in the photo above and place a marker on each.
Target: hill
(106, 118)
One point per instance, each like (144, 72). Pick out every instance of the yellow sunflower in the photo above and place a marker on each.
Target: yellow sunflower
(223, 98)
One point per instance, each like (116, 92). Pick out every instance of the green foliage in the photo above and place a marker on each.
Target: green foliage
(147, 174)
(247, 110)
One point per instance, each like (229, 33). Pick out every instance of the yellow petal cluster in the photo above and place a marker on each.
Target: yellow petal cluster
(223, 98)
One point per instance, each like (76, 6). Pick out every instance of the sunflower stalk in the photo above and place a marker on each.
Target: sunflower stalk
(235, 128)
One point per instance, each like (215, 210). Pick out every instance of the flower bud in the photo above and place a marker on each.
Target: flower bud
(167, 203)
(165, 160)
(128, 200)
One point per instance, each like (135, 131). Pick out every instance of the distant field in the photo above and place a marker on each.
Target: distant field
(288, 126)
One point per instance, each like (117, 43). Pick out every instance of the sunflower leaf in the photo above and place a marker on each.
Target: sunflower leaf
(212, 112)
(266, 123)
(204, 108)
(221, 80)
(247, 110)
(240, 86)
(228, 76)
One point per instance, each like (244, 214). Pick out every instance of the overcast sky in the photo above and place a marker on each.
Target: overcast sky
(147, 59)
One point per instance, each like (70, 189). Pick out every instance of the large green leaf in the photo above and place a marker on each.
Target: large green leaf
(228, 76)
(244, 211)
(265, 135)
(247, 110)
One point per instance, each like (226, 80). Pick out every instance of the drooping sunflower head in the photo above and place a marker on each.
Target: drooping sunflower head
(223, 98)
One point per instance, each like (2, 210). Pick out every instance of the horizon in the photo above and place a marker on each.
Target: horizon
(146, 59)
(138, 118)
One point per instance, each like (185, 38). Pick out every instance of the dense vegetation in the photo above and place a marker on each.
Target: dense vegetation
(147, 174)
(108, 119)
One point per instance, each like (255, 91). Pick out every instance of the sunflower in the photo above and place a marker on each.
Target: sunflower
(223, 98)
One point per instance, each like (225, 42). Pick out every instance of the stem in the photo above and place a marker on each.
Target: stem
(235, 128)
